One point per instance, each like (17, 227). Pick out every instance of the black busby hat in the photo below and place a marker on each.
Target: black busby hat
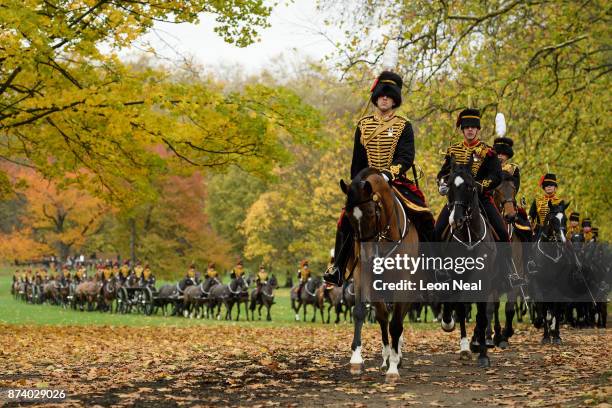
(548, 179)
(388, 84)
(469, 118)
(574, 216)
(503, 145)
(586, 222)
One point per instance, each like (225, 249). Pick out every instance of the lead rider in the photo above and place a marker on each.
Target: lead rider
(384, 141)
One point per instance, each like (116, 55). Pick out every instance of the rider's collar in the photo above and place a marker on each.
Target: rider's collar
(472, 143)
(384, 118)
(550, 196)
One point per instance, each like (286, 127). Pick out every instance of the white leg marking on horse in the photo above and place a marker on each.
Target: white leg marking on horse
(400, 345)
(451, 217)
(464, 344)
(386, 352)
(297, 317)
(458, 181)
(553, 323)
(356, 357)
(448, 326)
(394, 360)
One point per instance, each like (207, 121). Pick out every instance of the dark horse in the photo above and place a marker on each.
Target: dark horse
(469, 229)
(228, 295)
(376, 215)
(172, 294)
(555, 272)
(307, 296)
(263, 297)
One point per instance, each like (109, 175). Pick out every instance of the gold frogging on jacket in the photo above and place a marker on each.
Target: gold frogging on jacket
(380, 137)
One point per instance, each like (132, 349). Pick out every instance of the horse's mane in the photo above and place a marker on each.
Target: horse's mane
(365, 173)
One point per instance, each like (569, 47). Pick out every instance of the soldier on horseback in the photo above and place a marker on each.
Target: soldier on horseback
(303, 275)
(124, 272)
(238, 270)
(261, 279)
(148, 279)
(540, 205)
(587, 231)
(503, 148)
(384, 141)
(573, 232)
(211, 272)
(485, 167)
(191, 274)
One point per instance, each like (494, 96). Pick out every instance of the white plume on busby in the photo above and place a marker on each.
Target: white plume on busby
(390, 56)
(500, 124)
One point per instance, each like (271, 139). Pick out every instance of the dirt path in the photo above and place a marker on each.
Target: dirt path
(297, 366)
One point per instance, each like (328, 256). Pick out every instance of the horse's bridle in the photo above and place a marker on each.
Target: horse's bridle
(380, 234)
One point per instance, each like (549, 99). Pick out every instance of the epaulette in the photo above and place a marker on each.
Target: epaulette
(509, 168)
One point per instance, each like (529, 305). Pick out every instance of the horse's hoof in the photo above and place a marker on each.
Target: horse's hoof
(503, 344)
(557, 341)
(448, 327)
(391, 377)
(356, 369)
(545, 340)
(484, 362)
(465, 355)
(490, 343)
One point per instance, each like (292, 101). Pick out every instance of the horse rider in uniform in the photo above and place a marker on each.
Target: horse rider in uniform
(384, 141)
(211, 272)
(138, 269)
(503, 148)
(485, 168)
(191, 274)
(587, 231)
(148, 279)
(124, 272)
(108, 273)
(303, 275)
(238, 270)
(595, 232)
(539, 207)
(573, 231)
(260, 280)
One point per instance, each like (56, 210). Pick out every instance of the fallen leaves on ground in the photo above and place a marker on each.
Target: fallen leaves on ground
(239, 365)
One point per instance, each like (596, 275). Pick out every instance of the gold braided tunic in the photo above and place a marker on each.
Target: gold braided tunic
(539, 208)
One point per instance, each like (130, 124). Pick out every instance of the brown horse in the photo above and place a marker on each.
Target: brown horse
(87, 292)
(376, 214)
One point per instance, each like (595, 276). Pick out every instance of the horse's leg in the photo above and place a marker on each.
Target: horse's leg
(259, 310)
(556, 324)
(464, 343)
(547, 320)
(396, 328)
(359, 313)
(510, 311)
(269, 316)
(481, 323)
(447, 323)
(497, 338)
(383, 320)
(328, 313)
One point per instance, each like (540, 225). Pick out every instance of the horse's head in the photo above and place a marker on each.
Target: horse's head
(505, 197)
(369, 204)
(462, 194)
(272, 281)
(555, 223)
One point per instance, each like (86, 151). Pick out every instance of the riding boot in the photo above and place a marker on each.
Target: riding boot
(342, 252)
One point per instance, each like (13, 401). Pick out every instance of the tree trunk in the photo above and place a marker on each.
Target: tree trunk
(132, 222)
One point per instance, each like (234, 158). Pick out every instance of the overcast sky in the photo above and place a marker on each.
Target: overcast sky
(293, 32)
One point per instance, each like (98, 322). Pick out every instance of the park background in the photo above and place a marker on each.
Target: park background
(110, 146)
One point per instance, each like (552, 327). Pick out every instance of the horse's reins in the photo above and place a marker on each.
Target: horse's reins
(468, 217)
(384, 234)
